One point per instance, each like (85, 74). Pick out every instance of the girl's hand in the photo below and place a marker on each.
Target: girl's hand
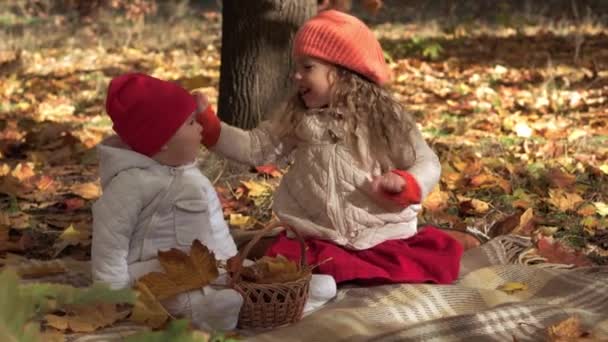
(208, 120)
(389, 182)
(201, 101)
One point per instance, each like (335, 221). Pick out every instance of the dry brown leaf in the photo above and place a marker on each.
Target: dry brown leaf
(564, 201)
(526, 223)
(183, 272)
(586, 210)
(89, 190)
(147, 309)
(86, 318)
(560, 178)
(569, 329)
(268, 270)
(23, 171)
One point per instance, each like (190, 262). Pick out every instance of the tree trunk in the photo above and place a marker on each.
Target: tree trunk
(256, 65)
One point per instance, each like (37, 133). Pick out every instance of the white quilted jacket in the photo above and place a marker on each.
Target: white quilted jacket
(325, 194)
(146, 207)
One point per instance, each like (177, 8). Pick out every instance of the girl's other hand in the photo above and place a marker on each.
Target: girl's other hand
(384, 186)
(389, 183)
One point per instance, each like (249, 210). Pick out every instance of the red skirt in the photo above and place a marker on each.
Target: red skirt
(430, 256)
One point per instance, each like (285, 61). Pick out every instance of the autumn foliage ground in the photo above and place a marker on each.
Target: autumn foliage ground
(517, 111)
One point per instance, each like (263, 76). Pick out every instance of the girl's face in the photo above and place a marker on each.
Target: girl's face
(314, 79)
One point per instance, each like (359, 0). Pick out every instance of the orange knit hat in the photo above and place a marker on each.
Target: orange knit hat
(342, 39)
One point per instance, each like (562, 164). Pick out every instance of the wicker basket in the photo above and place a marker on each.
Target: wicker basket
(271, 305)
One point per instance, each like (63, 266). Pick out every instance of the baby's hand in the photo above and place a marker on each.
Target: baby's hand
(389, 182)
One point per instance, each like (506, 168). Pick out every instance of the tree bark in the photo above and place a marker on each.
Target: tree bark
(256, 65)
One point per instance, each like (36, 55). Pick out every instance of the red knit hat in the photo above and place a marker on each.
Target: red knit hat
(342, 39)
(146, 111)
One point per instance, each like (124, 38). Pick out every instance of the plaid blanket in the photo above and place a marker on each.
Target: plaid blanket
(473, 309)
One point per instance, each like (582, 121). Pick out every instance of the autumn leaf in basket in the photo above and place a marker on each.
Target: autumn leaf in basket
(183, 272)
(269, 270)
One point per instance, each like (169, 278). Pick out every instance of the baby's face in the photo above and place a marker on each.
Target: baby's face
(184, 146)
(314, 79)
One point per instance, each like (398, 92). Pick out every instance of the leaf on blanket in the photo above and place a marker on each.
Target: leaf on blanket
(512, 287)
(183, 272)
(147, 309)
(558, 253)
(569, 329)
(87, 318)
(267, 270)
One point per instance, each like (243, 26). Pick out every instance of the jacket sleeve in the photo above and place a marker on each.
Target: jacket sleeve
(114, 220)
(254, 147)
(426, 169)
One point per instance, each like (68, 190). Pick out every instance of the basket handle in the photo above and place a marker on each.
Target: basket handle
(243, 255)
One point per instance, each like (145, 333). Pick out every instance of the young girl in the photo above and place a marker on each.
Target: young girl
(361, 167)
(155, 197)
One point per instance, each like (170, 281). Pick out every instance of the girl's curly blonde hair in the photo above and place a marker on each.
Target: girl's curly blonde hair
(377, 126)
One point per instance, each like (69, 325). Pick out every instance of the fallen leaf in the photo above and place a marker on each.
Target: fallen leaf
(23, 171)
(88, 191)
(602, 208)
(437, 200)
(257, 189)
(183, 272)
(147, 309)
(555, 252)
(564, 201)
(512, 287)
(587, 210)
(560, 178)
(567, 330)
(270, 170)
(241, 221)
(526, 223)
(473, 205)
(267, 270)
(86, 318)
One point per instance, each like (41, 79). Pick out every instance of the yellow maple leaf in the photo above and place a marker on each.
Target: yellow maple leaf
(512, 287)
(257, 189)
(86, 318)
(241, 221)
(604, 168)
(147, 309)
(183, 272)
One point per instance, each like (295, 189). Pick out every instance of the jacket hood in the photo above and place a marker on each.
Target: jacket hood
(115, 156)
